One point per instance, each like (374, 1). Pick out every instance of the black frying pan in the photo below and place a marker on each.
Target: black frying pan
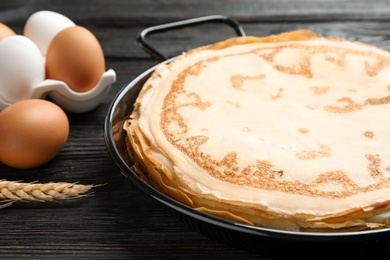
(369, 243)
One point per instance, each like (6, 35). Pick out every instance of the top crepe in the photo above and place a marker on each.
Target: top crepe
(286, 131)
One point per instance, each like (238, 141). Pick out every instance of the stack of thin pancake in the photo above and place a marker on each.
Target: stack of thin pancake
(288, 132)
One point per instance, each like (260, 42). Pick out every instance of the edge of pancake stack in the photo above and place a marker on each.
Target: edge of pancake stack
(287, 132)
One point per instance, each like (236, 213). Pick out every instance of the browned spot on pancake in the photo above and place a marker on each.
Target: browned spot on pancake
(347, 105)
(303, 130)
(323, 151)
(377, 101)
(195, 70)
(197, 67)
(198, 102)
(265, 168)
(337, 60)
(372, 69)
(319, 90)
(369, 134)
(278, 95)
(350, 105)
(246, 129)
(336, 177)
(374, 166)
(302, 67)
(229, 160)
(191, 145)
(238, 80)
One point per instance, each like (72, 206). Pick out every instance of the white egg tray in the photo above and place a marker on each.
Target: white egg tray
(69, 100)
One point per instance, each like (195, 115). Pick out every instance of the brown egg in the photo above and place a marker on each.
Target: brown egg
(32, 132)
(75, 57)
(5, 31)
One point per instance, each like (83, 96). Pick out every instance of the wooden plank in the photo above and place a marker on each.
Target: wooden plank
(124, 13)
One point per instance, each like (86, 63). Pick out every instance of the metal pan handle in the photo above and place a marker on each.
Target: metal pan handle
(141, 37)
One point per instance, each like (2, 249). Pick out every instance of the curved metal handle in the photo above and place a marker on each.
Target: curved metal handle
(141, 37)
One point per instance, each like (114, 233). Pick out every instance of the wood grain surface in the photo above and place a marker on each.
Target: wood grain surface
(118, 221)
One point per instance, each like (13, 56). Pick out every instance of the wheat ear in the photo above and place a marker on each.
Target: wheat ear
(11, 191)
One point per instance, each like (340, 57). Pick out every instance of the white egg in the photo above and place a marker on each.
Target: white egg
(21, 68)
(41, 27)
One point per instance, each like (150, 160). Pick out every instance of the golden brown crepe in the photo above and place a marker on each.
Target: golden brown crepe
(287, 132)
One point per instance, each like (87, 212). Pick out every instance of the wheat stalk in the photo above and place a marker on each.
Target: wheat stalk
(11, 191)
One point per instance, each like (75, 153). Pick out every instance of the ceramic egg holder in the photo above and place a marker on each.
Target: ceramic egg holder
(68, 99)
(38, 87)
(76, 102)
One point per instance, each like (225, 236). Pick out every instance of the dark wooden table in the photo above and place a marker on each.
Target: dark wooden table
(119, 221)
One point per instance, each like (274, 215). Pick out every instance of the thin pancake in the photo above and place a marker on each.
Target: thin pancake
(284, 131)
